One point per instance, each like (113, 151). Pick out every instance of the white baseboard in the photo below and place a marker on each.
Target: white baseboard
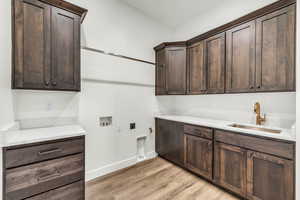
(151, 155)
(92, 174)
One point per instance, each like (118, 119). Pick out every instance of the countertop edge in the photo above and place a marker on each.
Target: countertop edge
(221, 126)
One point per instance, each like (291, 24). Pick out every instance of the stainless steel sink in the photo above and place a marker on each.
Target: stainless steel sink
(256, 128)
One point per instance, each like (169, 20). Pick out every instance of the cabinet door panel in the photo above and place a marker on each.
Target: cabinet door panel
(215, 63)
(196, 69)
(176, 70)
(160, 86)
(65, 50)
(31, 44)
(230, 167)
(198, 155)
(269, 177)
(240, 67)
(275, 51)
(169, 141)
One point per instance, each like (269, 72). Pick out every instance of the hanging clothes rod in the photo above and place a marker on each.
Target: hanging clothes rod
(116, 55)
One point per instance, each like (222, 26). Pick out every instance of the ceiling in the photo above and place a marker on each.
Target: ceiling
(172, 12)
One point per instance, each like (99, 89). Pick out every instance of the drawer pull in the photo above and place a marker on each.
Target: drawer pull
(49, 176)
(42, 153)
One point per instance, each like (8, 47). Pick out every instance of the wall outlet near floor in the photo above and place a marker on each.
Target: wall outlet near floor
(105, 121)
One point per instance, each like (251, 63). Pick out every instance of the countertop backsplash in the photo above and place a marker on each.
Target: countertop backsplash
(280, 108)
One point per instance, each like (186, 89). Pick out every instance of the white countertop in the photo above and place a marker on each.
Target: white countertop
(19, 137)
(224, 125)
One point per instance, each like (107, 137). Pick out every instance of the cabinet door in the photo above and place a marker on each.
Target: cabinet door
(269, 177)
(230, 167)
(65, 50)
(176, 70)
(215, 63)
(160, 71)
(169, 138)
(198, 155)
(240, 54)
(160, 135)
(32, 45)
(275, 51)
(196, 69)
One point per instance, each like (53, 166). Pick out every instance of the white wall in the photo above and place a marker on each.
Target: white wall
(298, 107)
(6, 116)
(279, 107)
(221, 14)
(110, 86)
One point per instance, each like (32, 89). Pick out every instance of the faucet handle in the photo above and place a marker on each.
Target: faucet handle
(263, 119)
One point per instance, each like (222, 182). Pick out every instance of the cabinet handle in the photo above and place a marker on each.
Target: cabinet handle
(51, 151)
(47, 83)
(259, 87)
(54, 83)
(251, 87)
(49, 176)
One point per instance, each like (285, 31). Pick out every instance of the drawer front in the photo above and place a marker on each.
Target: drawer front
(198, 131)
(277, 148)
(27, 181)
(27, 155)
(73, 191)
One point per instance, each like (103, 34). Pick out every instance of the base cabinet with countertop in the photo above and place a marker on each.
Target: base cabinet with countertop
(46, 170)
(252, 167)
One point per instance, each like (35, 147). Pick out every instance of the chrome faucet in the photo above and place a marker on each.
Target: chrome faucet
(259, 118)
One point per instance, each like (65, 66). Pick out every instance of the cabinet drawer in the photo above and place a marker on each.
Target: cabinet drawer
(27, 155)
(73, 191)
(278, 148)
(27, 181)
(199, 131)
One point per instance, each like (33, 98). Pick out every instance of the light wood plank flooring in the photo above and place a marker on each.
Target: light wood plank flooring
(155, 179)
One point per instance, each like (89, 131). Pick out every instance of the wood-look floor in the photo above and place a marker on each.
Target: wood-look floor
(155, 179)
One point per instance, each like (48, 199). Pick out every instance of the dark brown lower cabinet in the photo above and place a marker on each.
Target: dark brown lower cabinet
(269, 177)
(169, 141)
(230, 167)
(252, 167)
(73, 191)
(198, 154)
(52, 170)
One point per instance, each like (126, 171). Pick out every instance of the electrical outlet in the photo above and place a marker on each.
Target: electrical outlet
(132, 126)
(105, 121)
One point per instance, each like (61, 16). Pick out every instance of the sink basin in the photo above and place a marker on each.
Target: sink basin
(256, 128)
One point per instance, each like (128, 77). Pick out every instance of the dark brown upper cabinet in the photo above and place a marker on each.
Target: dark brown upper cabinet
(240, 58)
(171, 68)
(275, 51)
(196, 70)
(176, 70)
(254, 53)
(160, 78)
(215, 63)
(46, 45)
